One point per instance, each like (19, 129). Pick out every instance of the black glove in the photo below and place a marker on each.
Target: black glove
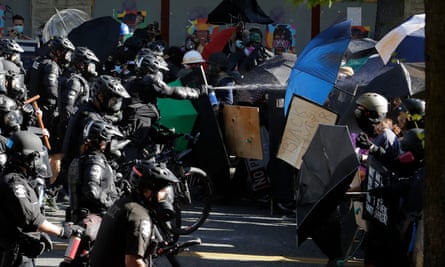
(30, 245)
(46, 241)
(69, 229)
(362, 141)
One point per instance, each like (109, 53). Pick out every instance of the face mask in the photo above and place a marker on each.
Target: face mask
(18, 28)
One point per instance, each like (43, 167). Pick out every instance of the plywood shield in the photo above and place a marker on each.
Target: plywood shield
(242, 131)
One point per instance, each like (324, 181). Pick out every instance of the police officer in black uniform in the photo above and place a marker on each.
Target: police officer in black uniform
(21, 220)
(11, 50)
(105, 103)
(74, 90)
(125, 233)
(141, 110)
(90, 177)
(43, 77)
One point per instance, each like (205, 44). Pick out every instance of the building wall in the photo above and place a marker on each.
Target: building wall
(281, 11)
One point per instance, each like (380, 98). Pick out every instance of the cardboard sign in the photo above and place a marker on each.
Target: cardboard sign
(302, 122)
(242, 131)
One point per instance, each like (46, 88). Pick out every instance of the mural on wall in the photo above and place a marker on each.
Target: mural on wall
(280, 38)
(2, 20)
(135, 19)
(199, 32)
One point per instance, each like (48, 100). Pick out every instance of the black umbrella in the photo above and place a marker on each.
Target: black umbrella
(234, 11)
(99, 34)
(275, 70)
(328, 168)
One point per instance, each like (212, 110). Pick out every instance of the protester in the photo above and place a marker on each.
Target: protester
(18, 26)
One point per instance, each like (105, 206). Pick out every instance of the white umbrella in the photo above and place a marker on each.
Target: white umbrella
(62, 22)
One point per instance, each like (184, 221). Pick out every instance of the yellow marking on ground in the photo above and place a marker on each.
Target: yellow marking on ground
(246, 257)
(250, 257)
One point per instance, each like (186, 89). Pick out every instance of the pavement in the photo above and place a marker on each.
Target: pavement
(246, 234)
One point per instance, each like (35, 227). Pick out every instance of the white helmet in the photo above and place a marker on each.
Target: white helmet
(192, 57)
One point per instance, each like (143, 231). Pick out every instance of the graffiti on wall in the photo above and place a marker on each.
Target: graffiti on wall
(280, 38)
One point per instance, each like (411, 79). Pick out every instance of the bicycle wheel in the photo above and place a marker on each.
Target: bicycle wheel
(192, 209)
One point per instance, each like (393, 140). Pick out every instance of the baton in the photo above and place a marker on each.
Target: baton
(33, 101)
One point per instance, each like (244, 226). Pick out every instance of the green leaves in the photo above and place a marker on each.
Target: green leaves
(312, 3)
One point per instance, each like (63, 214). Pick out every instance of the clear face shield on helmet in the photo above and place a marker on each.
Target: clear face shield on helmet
(16, 86)
(114, 104)
(91, 69)
(39, 164)
(164, 203)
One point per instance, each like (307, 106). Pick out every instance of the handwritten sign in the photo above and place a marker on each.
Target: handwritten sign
(302, 122)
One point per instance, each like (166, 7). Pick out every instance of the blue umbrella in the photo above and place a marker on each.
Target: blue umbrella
(316, 68)
(405, 42)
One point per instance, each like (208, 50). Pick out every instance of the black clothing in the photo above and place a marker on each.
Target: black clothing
(73, 91)
(95, 188)
(43, 79)
(19, 213)
(76, 124)
(126, 228)
(141, 109)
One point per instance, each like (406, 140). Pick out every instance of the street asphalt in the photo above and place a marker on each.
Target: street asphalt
(246, 234)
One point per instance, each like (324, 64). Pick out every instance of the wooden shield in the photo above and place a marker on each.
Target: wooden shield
(242, 131)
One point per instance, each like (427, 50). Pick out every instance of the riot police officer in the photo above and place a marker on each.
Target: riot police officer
(74, 89)
(141, 110)
(125, 233)
(11, 50)
(105, 103)
(90, 177)
(21, 219)
(43, 77)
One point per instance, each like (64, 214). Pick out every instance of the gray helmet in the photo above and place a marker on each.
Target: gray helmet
(376, 105)
(9, 46)
(151, 176)
(149, 62)
(97, 130)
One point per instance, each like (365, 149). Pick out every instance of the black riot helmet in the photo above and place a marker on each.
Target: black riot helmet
(413, 141)
(61, 48)
(150, 175)
(415, 112)
(109, 91)
(159, 179)
(11, 117)
(25, 149)
(217, 62)
(148, 62)
(85, 60)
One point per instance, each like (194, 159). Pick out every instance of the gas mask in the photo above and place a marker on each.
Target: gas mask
(113, 104)
(164, 203)
(38, 164)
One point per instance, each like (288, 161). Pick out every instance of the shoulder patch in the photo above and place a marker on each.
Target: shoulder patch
(20, 191)
(145, 228)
